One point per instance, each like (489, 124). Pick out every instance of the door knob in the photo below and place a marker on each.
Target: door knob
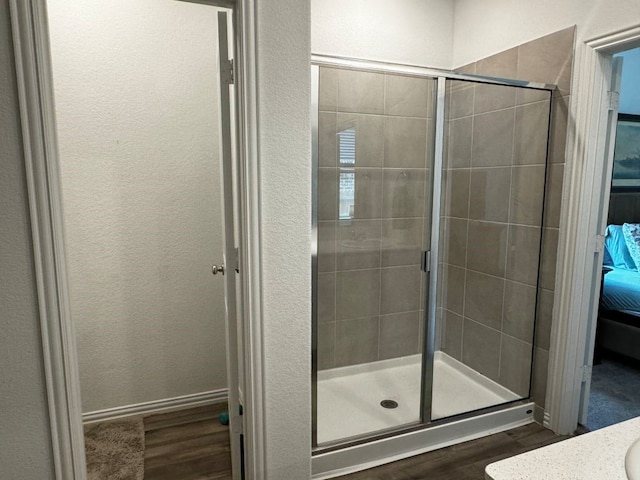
(217, 269)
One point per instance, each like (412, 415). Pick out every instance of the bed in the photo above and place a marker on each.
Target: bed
(619, 316)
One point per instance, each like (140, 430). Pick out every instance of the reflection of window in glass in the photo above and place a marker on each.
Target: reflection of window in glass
(347, 155)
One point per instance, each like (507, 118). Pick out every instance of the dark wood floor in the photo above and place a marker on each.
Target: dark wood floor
(193, 445)
(465, 461)
(187, 445)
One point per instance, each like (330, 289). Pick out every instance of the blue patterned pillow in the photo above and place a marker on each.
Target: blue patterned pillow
(631, 232)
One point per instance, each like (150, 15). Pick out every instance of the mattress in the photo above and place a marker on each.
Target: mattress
(621, 290)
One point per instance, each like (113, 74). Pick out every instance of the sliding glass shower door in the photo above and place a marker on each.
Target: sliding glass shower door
(375, 156)
(428, 212)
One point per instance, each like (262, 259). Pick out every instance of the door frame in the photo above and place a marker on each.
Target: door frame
(583, 219)
(37, 112)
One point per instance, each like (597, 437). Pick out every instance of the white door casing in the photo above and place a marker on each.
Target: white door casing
(34, 75)
(582, 221)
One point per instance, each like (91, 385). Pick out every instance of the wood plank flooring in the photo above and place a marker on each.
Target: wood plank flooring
(193, 445)
(465, 461)
(187, 445)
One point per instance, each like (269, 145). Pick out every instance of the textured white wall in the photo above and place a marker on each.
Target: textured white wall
(25, 445)
(136, 104)
(415, 32)
(491, 26)
(285, 166)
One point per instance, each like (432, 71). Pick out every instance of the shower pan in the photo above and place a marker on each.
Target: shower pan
(428, 218)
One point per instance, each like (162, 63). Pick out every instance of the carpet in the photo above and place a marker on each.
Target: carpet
(615, 394)
(115, 450)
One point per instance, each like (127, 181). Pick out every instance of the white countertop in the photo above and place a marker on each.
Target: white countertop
(596, 455)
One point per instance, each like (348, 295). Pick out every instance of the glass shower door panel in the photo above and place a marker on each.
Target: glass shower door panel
(491, 226)
(375, 151)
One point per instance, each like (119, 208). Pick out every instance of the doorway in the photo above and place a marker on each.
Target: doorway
(616, 370)
(145, 144)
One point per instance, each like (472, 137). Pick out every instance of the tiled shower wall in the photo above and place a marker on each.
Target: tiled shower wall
(493, 188)
(370, 297)
(548, 60)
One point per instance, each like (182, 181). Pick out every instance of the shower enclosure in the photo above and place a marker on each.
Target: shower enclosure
(429, 192)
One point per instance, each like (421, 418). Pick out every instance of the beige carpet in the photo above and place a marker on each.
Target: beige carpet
(115, 450)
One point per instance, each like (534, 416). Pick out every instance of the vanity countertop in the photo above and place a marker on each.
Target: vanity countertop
(597, 455)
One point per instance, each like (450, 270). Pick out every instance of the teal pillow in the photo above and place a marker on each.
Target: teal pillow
(616, 246)
(631, 232)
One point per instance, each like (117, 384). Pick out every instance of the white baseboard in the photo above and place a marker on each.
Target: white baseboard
(156, 406)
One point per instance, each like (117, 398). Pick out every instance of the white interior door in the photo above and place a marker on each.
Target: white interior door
(610, 140)
(231, 236)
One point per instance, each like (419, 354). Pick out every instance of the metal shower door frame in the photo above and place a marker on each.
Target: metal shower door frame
(429, 339)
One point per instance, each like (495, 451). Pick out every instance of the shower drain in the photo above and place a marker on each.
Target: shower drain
(389, 403)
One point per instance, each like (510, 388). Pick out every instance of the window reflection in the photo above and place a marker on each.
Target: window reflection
(347, 156)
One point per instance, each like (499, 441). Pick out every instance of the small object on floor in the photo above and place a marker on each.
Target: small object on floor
(224, 418)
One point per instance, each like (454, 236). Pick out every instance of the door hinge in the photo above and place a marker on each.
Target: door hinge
(237, 261)
(613, 100)
(426, 261)
(227, 71)
(586, 373)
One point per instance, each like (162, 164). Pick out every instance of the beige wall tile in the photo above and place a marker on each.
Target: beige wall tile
(553, 196)
(369, 132)
(452, 334)
(460, 94)
(515, 365)
(458, 145)
(326, 345)
(454, 241)
(523, 254)
(544, 320)
(531, 133)
(327, 194)
(360, 92)
(405, 142)
(489, 97)
(502, 65)
(327, 150)
(326, 246)
(519, 310)
(549, 258)
(487, 247)
(326, 297)
(400, 290)
(483, 299)
(455, 184)
(540, 375)
(358, 244)
(481, 348)
(368, 192)
(409, 96)
(493, 139)
(357, 294)
(527, 193)
(489, 193)
(356, 341)
(548, 59)
(453, 291)
(399, 335)
(402, 241)
(404, 193)
(328, 89)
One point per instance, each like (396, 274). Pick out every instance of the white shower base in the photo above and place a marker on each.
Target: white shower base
(349, 397)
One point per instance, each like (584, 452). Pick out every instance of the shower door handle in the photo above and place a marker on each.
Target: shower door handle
(217, 269)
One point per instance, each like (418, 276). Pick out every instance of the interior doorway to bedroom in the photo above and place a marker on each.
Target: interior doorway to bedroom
(615, 378)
